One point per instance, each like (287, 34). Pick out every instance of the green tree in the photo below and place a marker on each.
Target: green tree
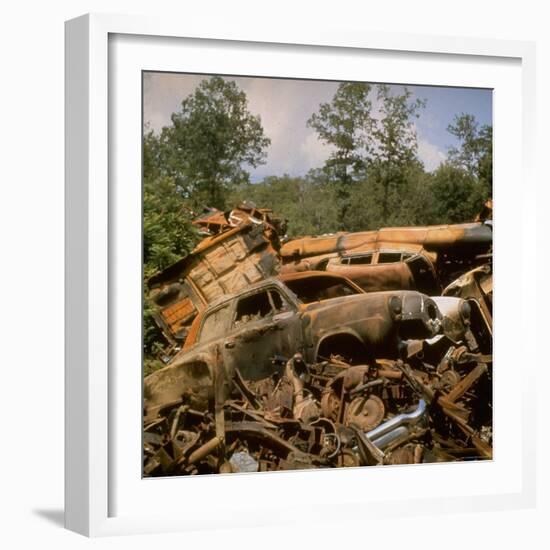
(152, 163)
(475, 151)
(167, 230)
(346, 124)
(396, 145)
(307, 203)
(372, 133)
(408, 197)
(211, 138)
(457, 195)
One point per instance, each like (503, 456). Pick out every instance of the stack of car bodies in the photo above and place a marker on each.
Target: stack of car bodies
(323, 351)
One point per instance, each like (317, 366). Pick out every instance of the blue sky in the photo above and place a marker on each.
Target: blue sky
(285, 105)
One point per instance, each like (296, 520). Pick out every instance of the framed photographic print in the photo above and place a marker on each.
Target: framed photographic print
(280, 263)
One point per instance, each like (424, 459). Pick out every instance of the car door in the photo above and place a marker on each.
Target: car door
(265, 331)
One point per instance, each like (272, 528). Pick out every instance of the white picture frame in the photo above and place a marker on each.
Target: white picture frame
(104, 491)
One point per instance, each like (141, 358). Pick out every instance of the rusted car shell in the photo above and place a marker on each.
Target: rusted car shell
(437, 244)
(219, 265)
(431, 238)
(476, 287)
(309, 277)
(377, 277)
(378, 321)
(372, 322)
(476, 284)
(326, 260)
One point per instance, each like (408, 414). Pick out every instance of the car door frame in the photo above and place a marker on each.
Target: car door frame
(283, 328)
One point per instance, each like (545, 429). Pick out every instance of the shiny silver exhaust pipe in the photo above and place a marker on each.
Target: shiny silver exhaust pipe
(384, 441)
(396, 428)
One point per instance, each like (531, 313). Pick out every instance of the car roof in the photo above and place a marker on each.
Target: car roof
(293, 276)
(270, 281)
(282, 278)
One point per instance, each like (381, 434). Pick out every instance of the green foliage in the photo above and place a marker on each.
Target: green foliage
(153, 340)
(152, 162)
(167, 230)
(346, 124)
(394, 133)
(307, 203)
(475, 153)
(375, 147)
(457, 195)
(209, 141)
(406, 191)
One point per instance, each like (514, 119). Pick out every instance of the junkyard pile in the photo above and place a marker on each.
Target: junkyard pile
(340, 350)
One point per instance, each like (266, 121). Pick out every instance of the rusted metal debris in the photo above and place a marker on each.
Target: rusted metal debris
(275, 366)
(330, 414)
(226, 262)
(214, 221)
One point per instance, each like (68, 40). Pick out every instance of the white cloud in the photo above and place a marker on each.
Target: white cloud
(284, 106)
(163, 94)
(313, 151)
(430, 155)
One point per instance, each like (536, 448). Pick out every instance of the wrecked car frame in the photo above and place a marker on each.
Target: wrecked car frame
(249, 330)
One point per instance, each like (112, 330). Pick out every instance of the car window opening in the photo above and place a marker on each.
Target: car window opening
(323, 288)
(254, 307)
(360, 260)
(389, 257)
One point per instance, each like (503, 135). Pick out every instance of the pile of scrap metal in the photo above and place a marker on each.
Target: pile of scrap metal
(214, 221)
(309, 371)
(321, 351)
(332, 414)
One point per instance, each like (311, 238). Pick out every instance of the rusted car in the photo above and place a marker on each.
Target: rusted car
(476, 287)
(253, 332)
(224, 263)
(446, 250)
(386, 269)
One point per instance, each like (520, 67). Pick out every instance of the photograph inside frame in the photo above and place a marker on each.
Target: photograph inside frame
(317, 274)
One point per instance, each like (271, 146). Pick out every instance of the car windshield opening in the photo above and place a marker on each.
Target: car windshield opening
(316, 289)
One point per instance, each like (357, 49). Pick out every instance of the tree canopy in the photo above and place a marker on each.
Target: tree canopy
(372, 132)
(346, 124)
(475, 151)
(210, 141)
